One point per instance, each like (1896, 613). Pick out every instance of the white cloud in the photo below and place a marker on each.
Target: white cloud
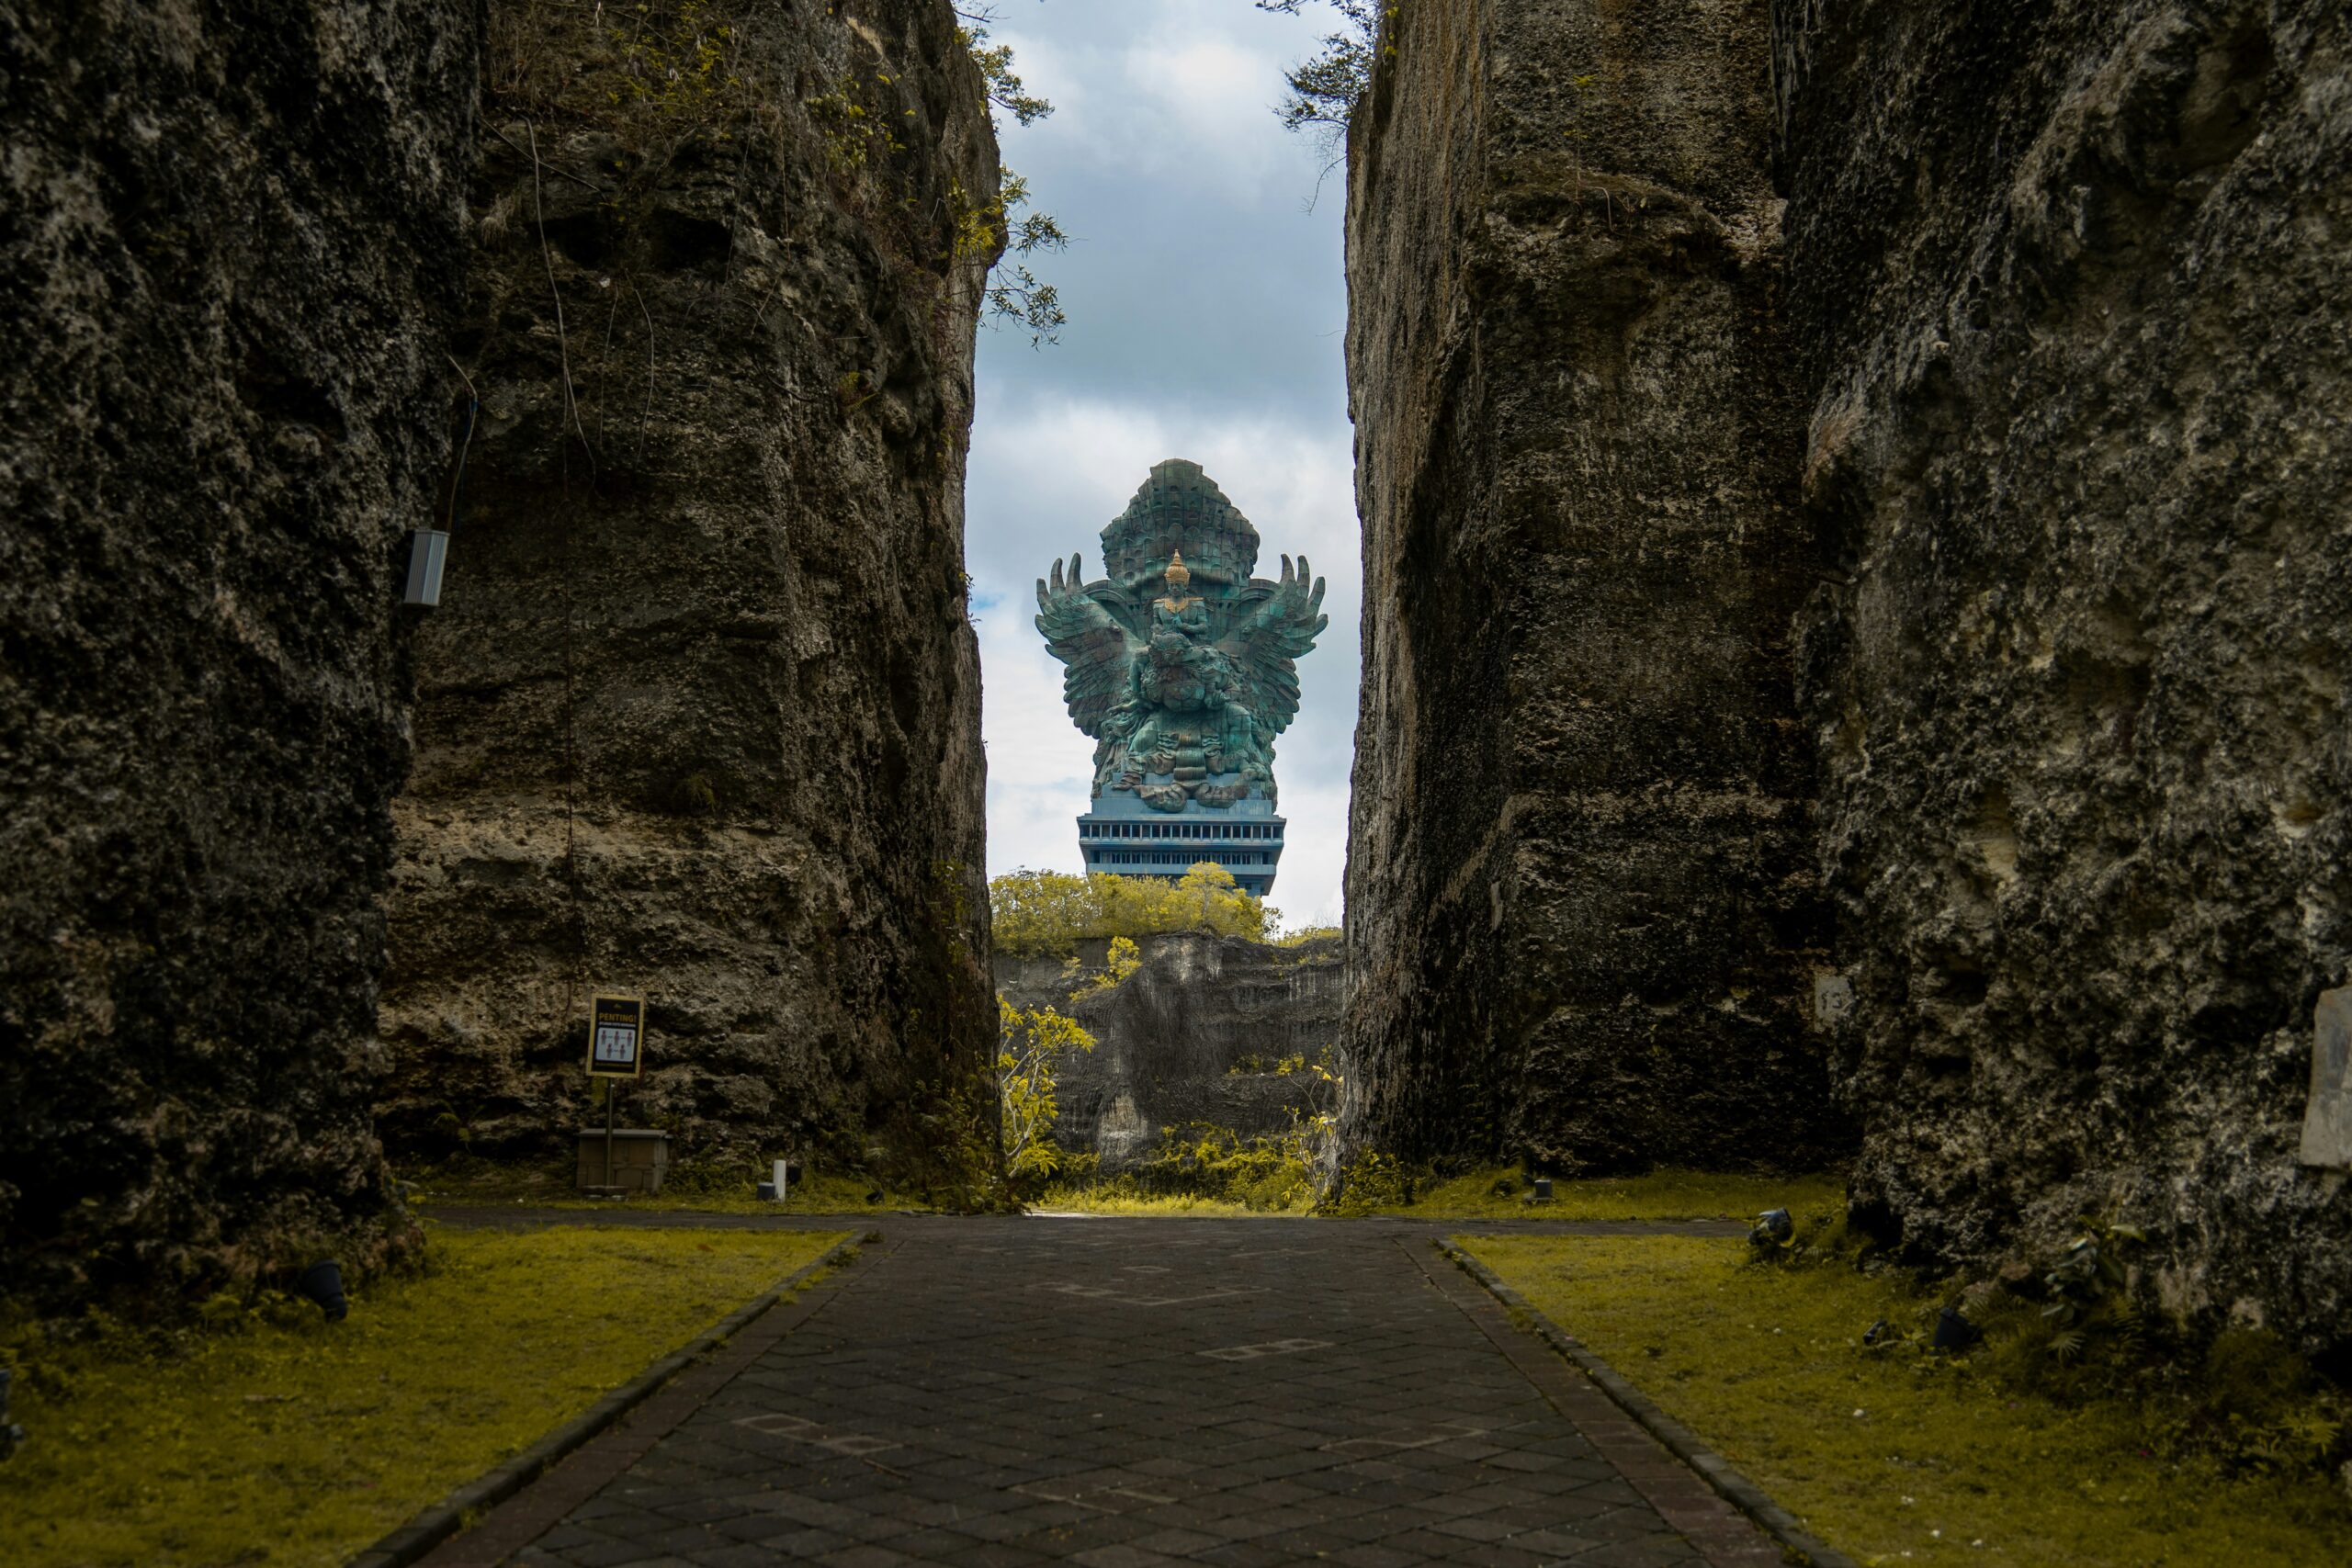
(1205, 304)
(1174, 93)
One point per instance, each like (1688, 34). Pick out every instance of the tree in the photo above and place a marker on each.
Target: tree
(1031, 1045)
(1325, 87)
(1043, 912)
(1014, 293)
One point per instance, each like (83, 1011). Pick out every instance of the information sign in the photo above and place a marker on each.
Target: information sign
(615, 1036)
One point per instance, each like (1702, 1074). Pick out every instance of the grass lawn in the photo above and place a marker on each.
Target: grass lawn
(547, 1184)
(1661, 1195)
(286, 1439)
(1894, 1457)
(1109, 1200)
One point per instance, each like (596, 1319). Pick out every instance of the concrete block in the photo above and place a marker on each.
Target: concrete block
(641, 1158)
(2327, 1120)
(1833, 998)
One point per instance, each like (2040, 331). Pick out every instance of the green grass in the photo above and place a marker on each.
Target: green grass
(548, 1184)
(1897, 1457)
(1661, 1195)
(1110, 1200)
(279, 1438)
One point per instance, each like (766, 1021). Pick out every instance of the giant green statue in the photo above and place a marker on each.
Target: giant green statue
(1181, 666)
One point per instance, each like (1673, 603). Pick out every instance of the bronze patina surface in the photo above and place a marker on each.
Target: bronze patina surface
(1181, 666)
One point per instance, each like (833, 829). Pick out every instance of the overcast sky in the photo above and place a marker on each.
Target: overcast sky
(1205, 306)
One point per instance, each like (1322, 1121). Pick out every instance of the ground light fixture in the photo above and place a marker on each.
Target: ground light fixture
(1954, 1332)
(12, 1436)
(322, 1282)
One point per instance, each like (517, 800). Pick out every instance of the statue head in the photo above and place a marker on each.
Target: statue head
(1180, 576)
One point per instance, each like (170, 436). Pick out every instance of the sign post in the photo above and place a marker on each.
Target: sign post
(616, 1051)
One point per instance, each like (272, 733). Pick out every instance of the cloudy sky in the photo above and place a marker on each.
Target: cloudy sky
(1205, 309)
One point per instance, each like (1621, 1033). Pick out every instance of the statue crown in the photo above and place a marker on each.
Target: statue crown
(1179, 510)
(1180, 576)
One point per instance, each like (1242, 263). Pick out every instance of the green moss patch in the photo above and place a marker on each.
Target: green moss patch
(1904, 1457)
(1499, 1194)
(1109, 1199)
(729, 1188)
(277, 1437)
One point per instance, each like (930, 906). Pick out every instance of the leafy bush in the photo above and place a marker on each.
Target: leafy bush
(1124, 959)
(1035, 1043)
(1201, 1160)
(1048, 912)
(1372, 1181)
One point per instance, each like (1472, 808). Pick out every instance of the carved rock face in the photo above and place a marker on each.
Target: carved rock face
(232, 255)
(1920, 643)
(701, 718)
(2076, 665)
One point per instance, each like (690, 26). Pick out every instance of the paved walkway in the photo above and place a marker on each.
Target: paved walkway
(1122, 1394)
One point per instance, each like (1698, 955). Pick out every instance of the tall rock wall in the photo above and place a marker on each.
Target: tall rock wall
(1579, 902)
(1194, 1035)
(699, 715)
(2074, 286)
(2025, 422)
(229, 243)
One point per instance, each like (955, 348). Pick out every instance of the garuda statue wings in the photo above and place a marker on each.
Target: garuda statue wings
(1182, 672)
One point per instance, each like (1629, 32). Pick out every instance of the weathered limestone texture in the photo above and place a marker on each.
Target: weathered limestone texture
(1579, 900)
(2075, 286)
(699, 716)
(229, 243)
(1192, 1036)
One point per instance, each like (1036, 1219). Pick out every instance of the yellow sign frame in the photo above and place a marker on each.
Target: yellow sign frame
(608, 1013)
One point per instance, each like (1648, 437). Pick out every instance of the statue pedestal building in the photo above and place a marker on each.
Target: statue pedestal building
(1183, 667)
(1125, 836)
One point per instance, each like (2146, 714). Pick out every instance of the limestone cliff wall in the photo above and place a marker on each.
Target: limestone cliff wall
(1192, 1035)
(1579, 896)
(699, 716)
(2074, 286)
(230, 243)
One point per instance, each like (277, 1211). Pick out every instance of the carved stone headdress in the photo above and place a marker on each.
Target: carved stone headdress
(1180, 510)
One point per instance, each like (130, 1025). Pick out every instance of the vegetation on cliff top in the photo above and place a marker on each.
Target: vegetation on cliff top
(1325, 87)
(1047, 913)
(271, 1436)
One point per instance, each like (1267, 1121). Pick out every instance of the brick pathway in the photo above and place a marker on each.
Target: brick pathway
(1121, 1393)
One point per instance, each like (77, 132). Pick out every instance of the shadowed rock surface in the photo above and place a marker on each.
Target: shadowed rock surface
(1192, 1035)
(230, 250)
(1579, 901)
(2072, 286)
(2067, 305)
(700, 715)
